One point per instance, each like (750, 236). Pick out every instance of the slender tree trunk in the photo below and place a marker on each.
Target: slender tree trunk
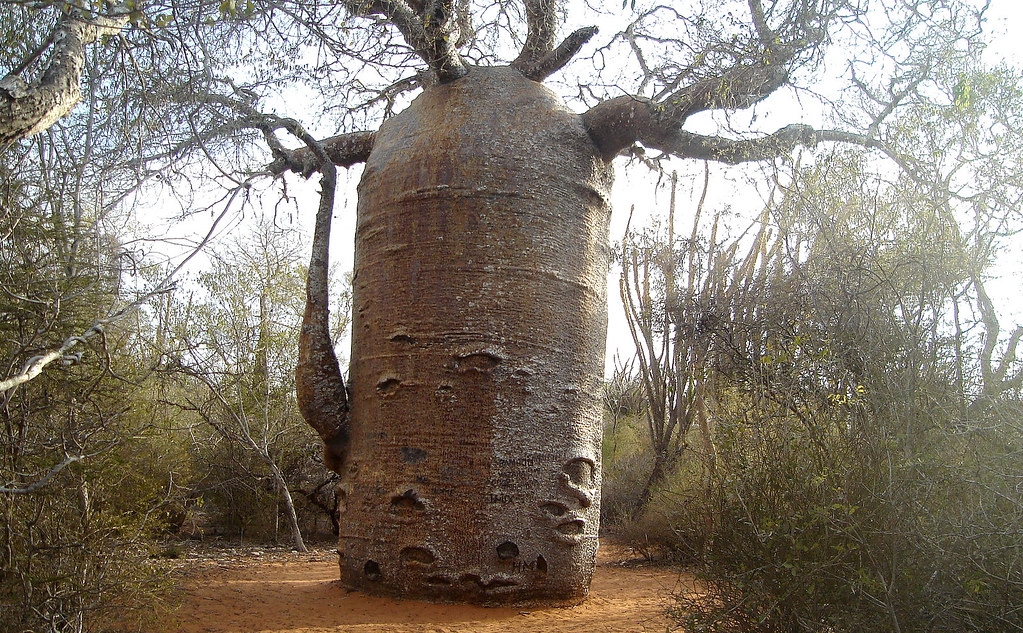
(657, 474)
(289, 508)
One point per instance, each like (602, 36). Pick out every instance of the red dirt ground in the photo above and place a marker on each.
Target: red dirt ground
(249, 590)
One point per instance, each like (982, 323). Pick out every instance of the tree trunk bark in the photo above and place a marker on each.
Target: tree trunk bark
(289, 509)
(27, 109)
(657, 474)
(478, 342)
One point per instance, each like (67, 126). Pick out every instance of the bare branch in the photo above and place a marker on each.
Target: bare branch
(343, 150)
(995, 373)
(765, 33)
(760, 64)
(428, 27)
(734, 152)
(542, 24)
(463, 11)
(739, 87)
(618, 123)
(42, 481)
(27, 109)
(322, 396)
(552, 62)
(321, 393)
(615, 124)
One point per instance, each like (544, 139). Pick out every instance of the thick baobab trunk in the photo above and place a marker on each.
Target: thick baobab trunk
(478, 344)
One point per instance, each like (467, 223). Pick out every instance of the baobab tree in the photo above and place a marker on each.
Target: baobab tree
(468, 436)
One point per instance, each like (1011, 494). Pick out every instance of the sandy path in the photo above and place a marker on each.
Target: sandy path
(298, 593)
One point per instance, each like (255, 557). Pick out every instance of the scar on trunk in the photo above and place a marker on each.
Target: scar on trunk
(388, 386)
(419, 555)
(403, 338)
(481, 361)
(372, 570)
(408, 500)
(507, 550)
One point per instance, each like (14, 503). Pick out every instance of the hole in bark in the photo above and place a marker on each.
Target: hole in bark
(477, 361)
(554, 509)
(580, 471)
(438, 580)
(541, 564)
(388, 386)
(572, 528)
(522, 373)
(408, 500)
(417, 555)
(495, 583)
(403, 338)
(412, 455)
(444, 389)
(507, 550)
(372, 570)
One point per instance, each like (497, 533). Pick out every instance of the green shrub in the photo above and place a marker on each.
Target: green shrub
(626, 458)
(845, 532)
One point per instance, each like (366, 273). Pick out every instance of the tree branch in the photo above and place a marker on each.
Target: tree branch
(45, 479)
(343, 150)
(441, 26)
(756, 9)
(35, 365)
(428, 27)
(995, 373)
(27, 109)
(737, 88)
(618, 123)
(319, 384)
(542, 24)
(734, 152)
(761, 67)
(552, 62)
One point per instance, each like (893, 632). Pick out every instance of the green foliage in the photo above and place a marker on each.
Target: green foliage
(626, 459)
(845, 531)
(231, 350)
(866, 450)
(82, 487)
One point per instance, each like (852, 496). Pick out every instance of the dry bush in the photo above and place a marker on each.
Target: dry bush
(626, 464)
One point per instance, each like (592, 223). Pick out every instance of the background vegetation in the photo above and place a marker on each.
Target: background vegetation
(823, 418)
(846, 454)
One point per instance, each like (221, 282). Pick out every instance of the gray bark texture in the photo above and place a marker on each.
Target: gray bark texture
(478, 342)
(27, 109)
